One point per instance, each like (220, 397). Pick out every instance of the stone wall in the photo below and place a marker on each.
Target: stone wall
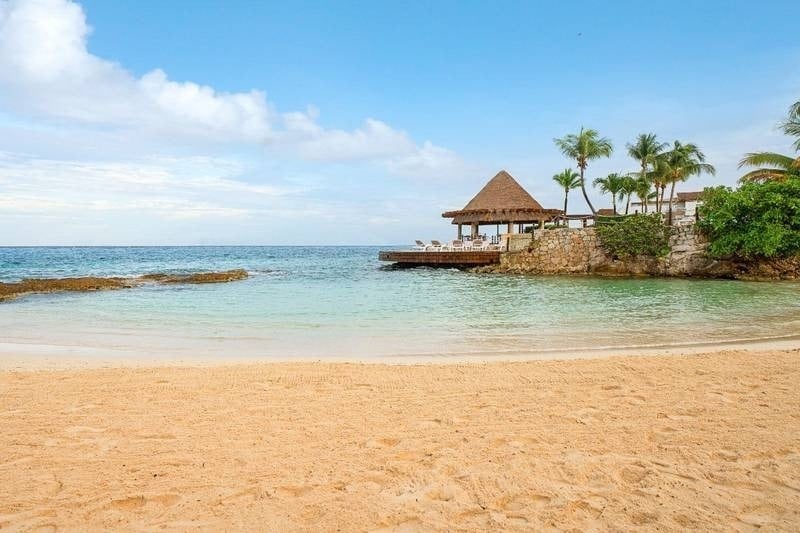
(556, 251)
(578, 251)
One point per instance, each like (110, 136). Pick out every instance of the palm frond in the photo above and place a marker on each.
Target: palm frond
(765, 174)
(758, 159)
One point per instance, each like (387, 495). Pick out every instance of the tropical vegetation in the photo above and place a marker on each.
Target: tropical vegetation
(568, 180)
(772, 166)
(613, 184)
(677, 165)
(646, 150)
(635, 236)
(758, 220)
(585, 146)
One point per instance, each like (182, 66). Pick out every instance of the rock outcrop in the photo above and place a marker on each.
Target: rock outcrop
(10, 291)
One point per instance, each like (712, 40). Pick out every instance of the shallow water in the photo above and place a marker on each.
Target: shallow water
(340, 302)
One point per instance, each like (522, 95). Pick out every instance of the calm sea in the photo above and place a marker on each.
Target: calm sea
(340, 302)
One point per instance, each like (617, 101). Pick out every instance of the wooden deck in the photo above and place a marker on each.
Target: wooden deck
(445, 259)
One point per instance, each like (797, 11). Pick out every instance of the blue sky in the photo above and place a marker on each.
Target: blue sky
(355, 122)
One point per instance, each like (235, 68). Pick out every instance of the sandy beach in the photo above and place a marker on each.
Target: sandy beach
(707, 442)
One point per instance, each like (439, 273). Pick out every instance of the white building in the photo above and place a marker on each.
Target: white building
(684, 207)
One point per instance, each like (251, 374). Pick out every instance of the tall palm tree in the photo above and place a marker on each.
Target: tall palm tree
(584, 147)
(613, 185)
(680, 163)
(568, 179)
(628, 189)
(643, 188)
(774, 166)
(645, 150)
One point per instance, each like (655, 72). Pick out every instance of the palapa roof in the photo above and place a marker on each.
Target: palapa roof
(689, 196)
(502, 199)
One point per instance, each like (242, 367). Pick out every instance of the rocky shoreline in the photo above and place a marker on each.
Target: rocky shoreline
(579, 252)
(11, 291)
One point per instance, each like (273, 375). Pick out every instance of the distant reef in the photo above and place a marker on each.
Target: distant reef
(10, 291)
(201, 277)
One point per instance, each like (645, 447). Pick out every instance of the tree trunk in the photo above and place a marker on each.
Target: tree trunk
(671, 195)
(566, 197)
(614, 203)
(661, 200)
(586, 196)
(628, 204)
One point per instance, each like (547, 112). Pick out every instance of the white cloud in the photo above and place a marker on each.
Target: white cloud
(47, 71)
(164, 187)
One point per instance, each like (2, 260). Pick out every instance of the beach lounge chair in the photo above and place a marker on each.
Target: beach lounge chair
(457, 246)
(420, 246)
(436, 246)
(478, 245)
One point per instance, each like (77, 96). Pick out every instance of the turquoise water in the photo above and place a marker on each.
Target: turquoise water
(341, 302)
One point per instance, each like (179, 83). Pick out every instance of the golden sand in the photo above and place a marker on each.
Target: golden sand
(709, 442)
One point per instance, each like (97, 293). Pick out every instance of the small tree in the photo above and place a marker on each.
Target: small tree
(568, 179)
(635, 236)
(612, 184)
(757, 220)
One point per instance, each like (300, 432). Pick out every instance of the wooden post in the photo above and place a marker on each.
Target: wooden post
(541, 224)
(510, 228)
(473, 230)
(459, 232)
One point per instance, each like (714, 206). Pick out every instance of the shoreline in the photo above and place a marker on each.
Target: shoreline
(706, 441)
(37, 357)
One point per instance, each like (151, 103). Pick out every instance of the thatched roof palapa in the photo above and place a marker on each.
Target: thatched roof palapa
(689, 196)
(502, 200)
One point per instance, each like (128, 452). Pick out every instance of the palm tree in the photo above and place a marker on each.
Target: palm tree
(643, 188)
(645, 150)
(774, 166)
(778, 167)
(613, 185)
(628, 189)
(791, 126)
(568, 179)
(683, 161)
(584, 147)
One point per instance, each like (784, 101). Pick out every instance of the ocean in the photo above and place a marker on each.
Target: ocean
(342, 303)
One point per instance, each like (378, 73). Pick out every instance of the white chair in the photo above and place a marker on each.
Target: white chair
(436, 246)
(478, 245)
(457, 246)
(420, 246)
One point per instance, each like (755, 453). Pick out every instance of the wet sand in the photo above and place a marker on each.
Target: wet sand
(708, 442)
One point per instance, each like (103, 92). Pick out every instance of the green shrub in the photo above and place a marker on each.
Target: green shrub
(757, 220)
(634, 236)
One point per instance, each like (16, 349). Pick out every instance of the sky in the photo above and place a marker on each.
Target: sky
(208, 122)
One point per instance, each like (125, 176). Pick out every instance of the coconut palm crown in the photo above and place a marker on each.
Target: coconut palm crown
(568, 179)
(679, 164)
(646, 150)
(583, 147)
(613, 184)
(772, 166)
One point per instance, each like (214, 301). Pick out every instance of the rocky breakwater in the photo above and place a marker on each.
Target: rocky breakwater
(10, 291)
